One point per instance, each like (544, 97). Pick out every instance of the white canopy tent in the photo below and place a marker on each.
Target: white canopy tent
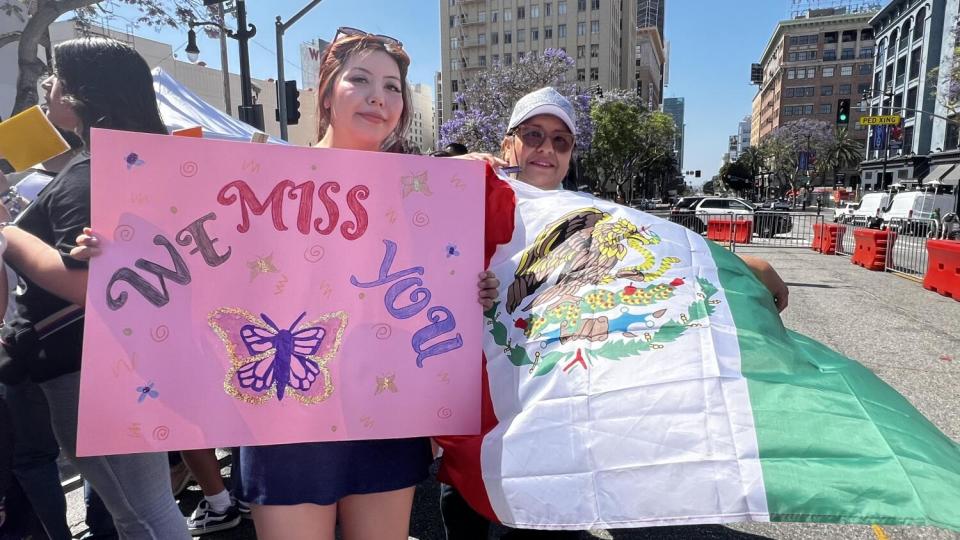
(180, 108)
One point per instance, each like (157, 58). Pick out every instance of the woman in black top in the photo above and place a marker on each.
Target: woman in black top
(97, 83)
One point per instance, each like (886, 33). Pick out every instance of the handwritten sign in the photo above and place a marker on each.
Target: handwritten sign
(255, 294)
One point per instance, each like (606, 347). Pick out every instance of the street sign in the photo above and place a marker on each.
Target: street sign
(886, 120)
(879, 137)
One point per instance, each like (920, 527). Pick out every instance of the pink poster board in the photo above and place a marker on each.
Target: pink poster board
(256, 294)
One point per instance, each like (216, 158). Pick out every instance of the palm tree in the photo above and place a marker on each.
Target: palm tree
(755, 160)
(844, 152)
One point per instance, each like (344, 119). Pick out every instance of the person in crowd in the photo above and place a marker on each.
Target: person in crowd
(97, 83)
(303, 490)
(538, 146)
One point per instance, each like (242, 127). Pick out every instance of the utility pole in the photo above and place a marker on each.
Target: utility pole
(282, 27)
(224, 63)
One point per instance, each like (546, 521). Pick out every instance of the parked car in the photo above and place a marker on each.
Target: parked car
(917, 205)
(870, 210)
(695, 212)
(844, 211)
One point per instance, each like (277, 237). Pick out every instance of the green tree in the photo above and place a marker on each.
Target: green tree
(630, 144)
(40, 14)
(841, 153)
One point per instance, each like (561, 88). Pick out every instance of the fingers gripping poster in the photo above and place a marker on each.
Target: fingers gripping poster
(256, 294)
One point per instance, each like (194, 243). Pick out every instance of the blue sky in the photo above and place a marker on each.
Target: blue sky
(712, 46)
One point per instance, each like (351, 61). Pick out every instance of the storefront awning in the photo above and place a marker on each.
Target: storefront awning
(951, 177)
(937, 172)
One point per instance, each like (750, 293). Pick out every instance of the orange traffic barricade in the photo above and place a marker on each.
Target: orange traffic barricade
(943, 268)
(825, 238)
(871, 248)
(725, 230)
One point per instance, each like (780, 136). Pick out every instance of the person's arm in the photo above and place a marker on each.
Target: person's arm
(770, 279)
(43, 265)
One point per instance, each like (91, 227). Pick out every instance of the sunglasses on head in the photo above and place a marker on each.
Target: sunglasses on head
(534, 137)
(346, 31)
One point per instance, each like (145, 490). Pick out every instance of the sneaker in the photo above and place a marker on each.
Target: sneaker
(179, 478)
(243, 508)
(205, 520)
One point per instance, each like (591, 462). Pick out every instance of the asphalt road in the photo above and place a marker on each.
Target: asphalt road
(908, 336)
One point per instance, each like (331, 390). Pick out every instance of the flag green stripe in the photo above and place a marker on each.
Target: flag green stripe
(836, 443)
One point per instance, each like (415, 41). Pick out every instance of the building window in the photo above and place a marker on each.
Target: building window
(595, 4)
(507, 59)
(826, 90)
(494, 38)
(826, 108)
(802, 56)
(846, 71)
(507, 15)
(507, 38)
(847, 53)
(844, 89)
(546, 9)
(921, 22)
(454, 64)
(581, 28)
(453, 21)
(581, 51)
(495, 59)
(866, 52)
(519, 56)
(534, 12)
(521, 35)
(581, 5)
(521, 12)
(811, 72)
(483, 61)
(482, 16)
(594, 74)
(581, 74)
(808, 109)
(830, 37)
(454, 85)
(864, 69)
(829, 55)
(863, 88)
(561, 31)
(594, 27)
(561, 8)
(827, 72)
(534, 34)
(494, 15)
(594, 50)
(454, 43)
(791, 74)
(548, 33)
(915, 60)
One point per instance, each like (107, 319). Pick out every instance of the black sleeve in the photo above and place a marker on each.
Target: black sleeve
(68, 207)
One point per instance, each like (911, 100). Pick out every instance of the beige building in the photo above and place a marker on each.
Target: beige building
(476, 35)
(421, 125)
(651, 60)
(809, 64)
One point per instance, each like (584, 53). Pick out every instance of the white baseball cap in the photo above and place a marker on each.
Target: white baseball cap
(543, 101)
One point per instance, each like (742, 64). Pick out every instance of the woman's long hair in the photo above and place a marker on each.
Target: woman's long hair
(108, 85)
(336, 56)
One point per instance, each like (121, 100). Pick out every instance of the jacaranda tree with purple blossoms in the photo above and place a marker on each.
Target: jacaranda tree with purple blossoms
(486, 101)
(783, 145)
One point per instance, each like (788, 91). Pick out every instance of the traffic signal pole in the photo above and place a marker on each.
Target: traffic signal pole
(282, 27)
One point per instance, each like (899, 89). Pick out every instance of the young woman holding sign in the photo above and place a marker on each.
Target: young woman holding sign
(302, 490)
(97, 83)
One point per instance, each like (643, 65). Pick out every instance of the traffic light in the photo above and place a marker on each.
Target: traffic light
(843, 111)
(292, 98)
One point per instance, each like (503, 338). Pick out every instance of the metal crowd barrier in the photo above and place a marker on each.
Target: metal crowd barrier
(908, 257)
(845, 241)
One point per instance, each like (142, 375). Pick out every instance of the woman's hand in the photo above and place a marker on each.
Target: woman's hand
(88, 246)
(489, 289)
(491, 159)
(770, 279)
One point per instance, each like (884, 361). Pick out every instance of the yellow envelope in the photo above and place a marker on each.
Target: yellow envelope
(28, 138)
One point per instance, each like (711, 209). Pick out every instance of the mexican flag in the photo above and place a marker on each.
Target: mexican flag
(639, 375)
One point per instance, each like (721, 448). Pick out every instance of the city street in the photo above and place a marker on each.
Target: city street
(905, 334)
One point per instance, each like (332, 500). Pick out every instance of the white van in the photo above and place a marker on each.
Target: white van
(871, 206)
(917, 205)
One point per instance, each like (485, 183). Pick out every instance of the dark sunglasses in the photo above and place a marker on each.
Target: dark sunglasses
(534, 137)
(346, 31)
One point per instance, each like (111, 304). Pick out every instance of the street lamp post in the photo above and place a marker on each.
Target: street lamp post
(248, 111)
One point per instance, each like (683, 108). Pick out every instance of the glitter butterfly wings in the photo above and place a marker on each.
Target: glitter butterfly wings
(270, 360)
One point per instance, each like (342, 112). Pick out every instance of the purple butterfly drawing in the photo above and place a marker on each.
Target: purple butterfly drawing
(145, 391)
(269, 360)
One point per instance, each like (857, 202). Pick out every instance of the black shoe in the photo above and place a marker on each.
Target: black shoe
(205, 520)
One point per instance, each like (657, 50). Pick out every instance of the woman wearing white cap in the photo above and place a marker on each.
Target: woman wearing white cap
(537, 149)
